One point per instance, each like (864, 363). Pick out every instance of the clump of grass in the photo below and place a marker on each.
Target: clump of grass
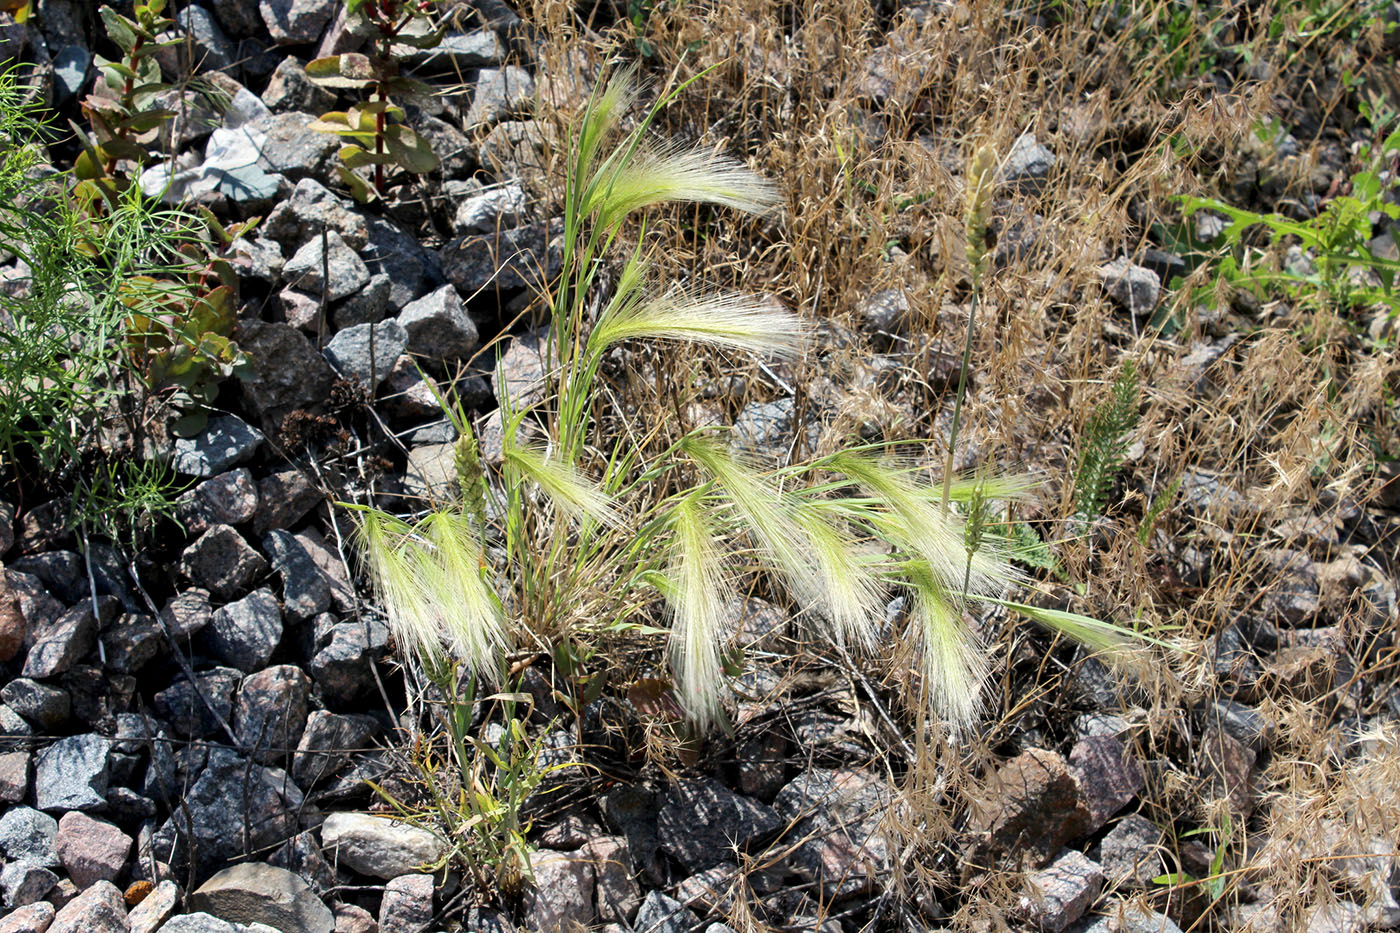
(594, 525)
(1105, 443)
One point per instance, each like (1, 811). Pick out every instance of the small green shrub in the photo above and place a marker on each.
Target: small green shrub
(1104, 444)
(375, 132)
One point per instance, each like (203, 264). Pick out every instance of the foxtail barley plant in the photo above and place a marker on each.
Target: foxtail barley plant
(594, 527)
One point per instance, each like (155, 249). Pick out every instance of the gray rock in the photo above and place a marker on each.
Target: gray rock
(181, 705)
(221, 562)
(333, 565)
(290, 89)
(45, 706)
(227, 499)
(91, 850)
(198, 923)
(412, 270)
(1131, 852)
(302, 856)
(505, 260)
(224, 444)
(296, 22)
(284, 371)
(431, 472)
(132, 642)
(244, 634)
(455, 152)
(326, 744)
(885, 312)
(23, 882)
(563, 892)
(500, 93)
(232, 808)
(61, 645)
(305, 590)
(343, 669)
(1134, 918)
(12, 724)
(457, 52)
(516, 148)
(270, 712)
(1109, 777)
(438, 327)
(378, 846)
(258, 893)
(212, 50)
(367, 306)
(407, 906)
(1059, 894)
(500, 207)
(1133, 287)
(291, 149)
(155, 908)
(1028, 165)
(61, 572)
(71, 774)
(350, 351)
(302, 310)
(99, 909)
(1031, 807)
(311, 208)
(29, 835)
(701, 821)
(768, 429)
(521, 368)
(631, 810)
(344, 272)
(662, 914)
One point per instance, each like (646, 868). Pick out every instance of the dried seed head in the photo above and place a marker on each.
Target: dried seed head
(980, 182)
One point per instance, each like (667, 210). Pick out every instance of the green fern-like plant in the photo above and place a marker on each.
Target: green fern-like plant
(1105, 443)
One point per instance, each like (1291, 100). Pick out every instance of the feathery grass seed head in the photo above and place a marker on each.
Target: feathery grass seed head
(698, 596)
(661, 176)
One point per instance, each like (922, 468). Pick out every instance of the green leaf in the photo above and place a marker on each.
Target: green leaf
(327, 72)
(121, 30)
(407, 87)
(359, 157)
(411, 150)
(360, 189)
(145, 120)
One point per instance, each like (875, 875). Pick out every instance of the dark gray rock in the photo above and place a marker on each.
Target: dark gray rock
(244, 634)
(312, 208)
(455, 152)
(23, 882)
(290, 89)
(209, 48)
(302, 855)
(61, 572)
(366, 353)
(337, 269)
(224, 444)
(412, 270)
(284, 499)
(296, 22)
(343, 668)
(1030, 808)
(507, 260)
(227, 499)
(270, 712)
(293, 150)
(367, 306)
(29, 835)
(45, 706)
(327, 742)
(885, 312)
(838, 814)
(701, 822)
(1109, 776)
(221, 562)
(1131, 852)
(238, 17)
(258, 893)
(186, 614)
(500, 93)
(190, 717)
(71, 774)
(132, 642)
(617, 894)
(63, 644)
(232, 808)
(1059, 894)
(438, 328)
(305, 590)
(407, 906)
(631, 810)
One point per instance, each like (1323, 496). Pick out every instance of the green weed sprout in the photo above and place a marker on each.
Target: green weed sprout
(579, 530)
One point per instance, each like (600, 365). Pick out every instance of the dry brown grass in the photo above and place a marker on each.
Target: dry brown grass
(871, 161)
